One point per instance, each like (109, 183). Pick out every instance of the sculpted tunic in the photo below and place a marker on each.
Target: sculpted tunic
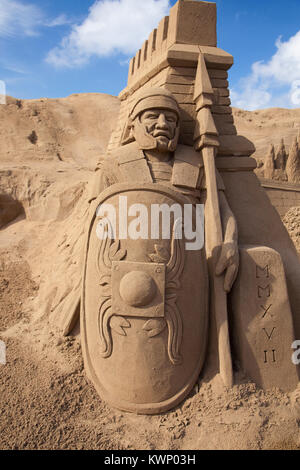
(184, 172)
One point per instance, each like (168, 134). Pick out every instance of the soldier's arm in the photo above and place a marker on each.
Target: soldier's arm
(229, 257)
(230, 232)
(228, 220)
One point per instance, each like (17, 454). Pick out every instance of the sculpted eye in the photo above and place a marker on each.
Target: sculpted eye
(171, 118)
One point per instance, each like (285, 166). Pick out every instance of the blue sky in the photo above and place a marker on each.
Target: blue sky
(51, 48)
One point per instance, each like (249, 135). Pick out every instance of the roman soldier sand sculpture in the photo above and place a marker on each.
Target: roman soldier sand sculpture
(155, 313)
(150, 315)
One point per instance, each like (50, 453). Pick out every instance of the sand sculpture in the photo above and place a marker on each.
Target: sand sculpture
(293, 163)
(153, 313)
(280, 165)
(152, 319)
(281, 157)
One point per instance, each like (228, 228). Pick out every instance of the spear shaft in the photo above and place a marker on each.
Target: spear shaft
(206, 141)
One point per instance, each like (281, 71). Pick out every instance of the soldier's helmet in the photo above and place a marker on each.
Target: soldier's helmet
(152, 98)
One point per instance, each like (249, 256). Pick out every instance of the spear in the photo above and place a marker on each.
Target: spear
(206, 141)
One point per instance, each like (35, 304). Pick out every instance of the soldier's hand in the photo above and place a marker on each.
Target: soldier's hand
(229, 263)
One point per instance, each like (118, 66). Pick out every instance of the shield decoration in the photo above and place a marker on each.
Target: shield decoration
(144, 312)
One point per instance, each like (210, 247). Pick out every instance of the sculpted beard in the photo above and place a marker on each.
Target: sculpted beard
(162, 134)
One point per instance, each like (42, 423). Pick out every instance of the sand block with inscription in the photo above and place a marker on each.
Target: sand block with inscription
(263, 330)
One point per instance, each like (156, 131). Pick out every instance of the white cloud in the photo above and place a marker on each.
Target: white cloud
(18, 18)
(112, 26)
(275, 83)
(60, 20)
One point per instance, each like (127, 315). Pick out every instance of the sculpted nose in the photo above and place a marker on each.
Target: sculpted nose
(162, 122)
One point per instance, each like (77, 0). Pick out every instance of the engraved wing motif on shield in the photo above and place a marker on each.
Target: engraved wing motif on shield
(109, 255)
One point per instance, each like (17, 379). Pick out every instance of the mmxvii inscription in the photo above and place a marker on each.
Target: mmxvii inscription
(263, 319)
(268, 330)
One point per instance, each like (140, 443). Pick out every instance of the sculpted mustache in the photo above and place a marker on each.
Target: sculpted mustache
(161, 134)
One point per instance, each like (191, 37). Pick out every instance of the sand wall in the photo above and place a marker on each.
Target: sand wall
(283, 196)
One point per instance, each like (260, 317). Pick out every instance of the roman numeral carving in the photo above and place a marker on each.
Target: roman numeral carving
(262, 272)
(266, 310)
(266, 356)
(263, 291)
(269, 335)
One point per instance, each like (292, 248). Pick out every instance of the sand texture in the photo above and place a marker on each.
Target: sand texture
(268, 126)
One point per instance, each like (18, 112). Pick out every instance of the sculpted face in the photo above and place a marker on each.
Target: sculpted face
(161, 124)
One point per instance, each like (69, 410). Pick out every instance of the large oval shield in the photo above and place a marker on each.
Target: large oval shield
(144, 316)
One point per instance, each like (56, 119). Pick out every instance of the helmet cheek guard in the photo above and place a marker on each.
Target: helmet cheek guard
(173, 143)
(139, 133)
